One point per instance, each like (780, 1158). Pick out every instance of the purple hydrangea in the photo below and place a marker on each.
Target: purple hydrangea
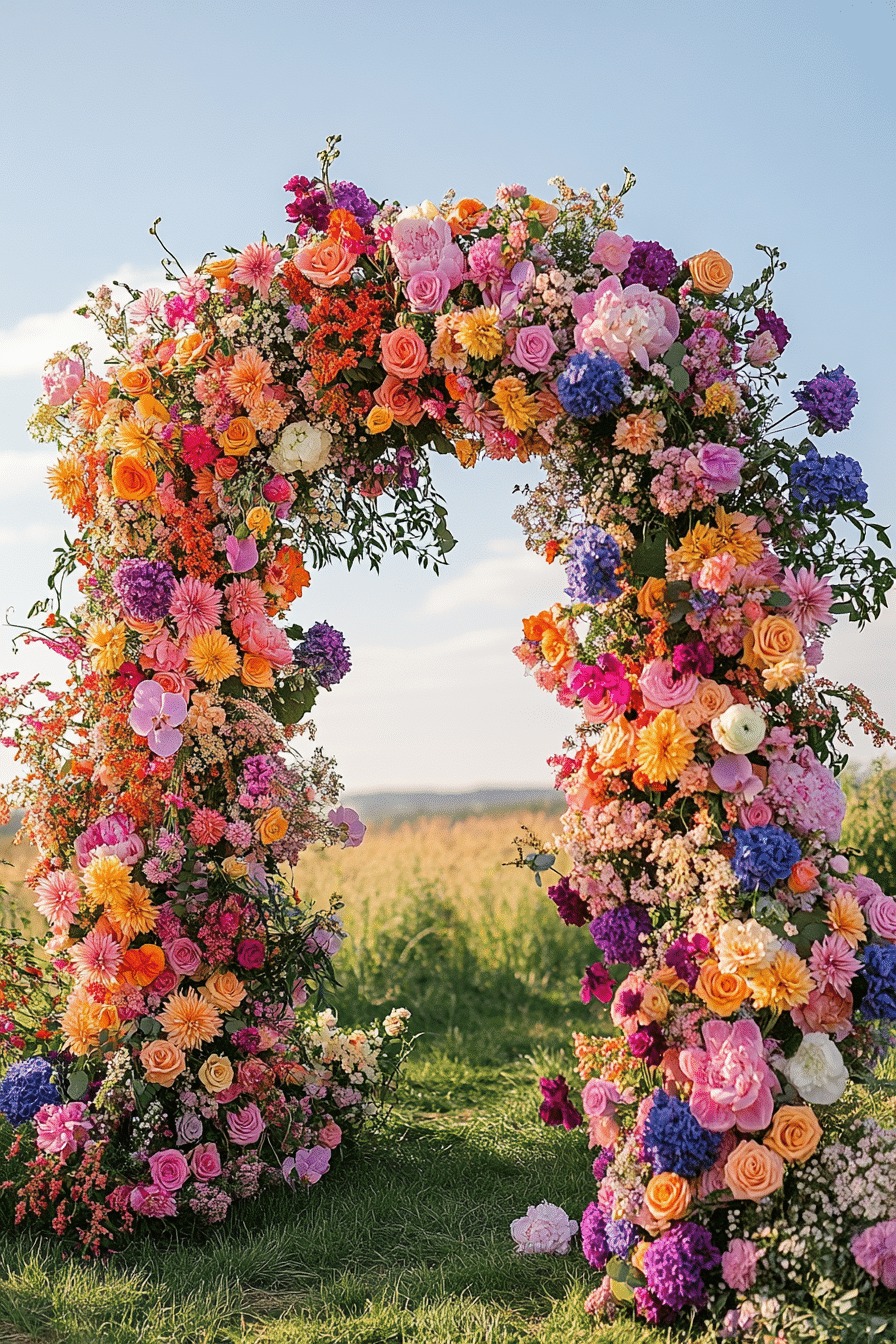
(650, 265)
(354, 199)
(766, 320)
(674, 1266)
(594, 1237)
(763, 855)
(601, 1164)
(621, 1236)
(323, 652)
(879, 1003)
(145, 587)
(258, 772)
(674, 1139)
(593, 560)
(617, 933)
(590, 385)
(570, 906)
(828, 399)
(27, 1086)
(824, 482)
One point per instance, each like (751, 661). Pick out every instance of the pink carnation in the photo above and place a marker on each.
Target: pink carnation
(207, 826)
(733, 1084)
(631, 323)
(826, 1011)
(875, 1251)
(739, 1264)
(244, 597)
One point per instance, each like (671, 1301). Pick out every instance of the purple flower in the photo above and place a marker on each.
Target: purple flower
(825, 482)
(621, 1236)
(242, 553)
(570, 906)
(27, 1086)
(648, 1043)
(258, 772)
(763, 856)
(734, 774)
(310, 207)
(145, 587)
(674, 1265)
(617, 933)
(766, 320)
(650, 265)
(557, 1109)
(720, 464)
(594, 1237)
(591, 571)
(354, 199)
(828, 399)
(596, 984)
(307, 1166)
(695, 657)
(324, 653)
(351, 825)
(674, 1140)
(682, 957)
(155, 715)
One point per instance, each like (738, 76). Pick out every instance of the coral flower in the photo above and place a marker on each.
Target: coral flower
(665, 747)
(249, 377)
(195, 606)
(141, 965)
(133, 911)
(189, 1020)
(106, 878)
(65, 479)
(81, 1022)
(213, 657)
(255, 267)
(845, 917)
(97, 958)
(56, 896)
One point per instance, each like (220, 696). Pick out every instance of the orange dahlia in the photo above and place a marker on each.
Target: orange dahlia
(189, 1020)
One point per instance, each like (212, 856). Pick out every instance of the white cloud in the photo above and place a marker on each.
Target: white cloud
(25, 347)
(28, 535)
(512, 579)
(866, 658)
(23, 471)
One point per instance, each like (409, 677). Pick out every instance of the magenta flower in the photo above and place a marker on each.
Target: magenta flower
(155, 715)
(733, 1084)
(810, 599)
(168, 1169)
(557, 1109)
(351, 825)
(596, 984)
(307, 1166)
(833, 965)
(62, 1129)
(255, 267)
(242, 553)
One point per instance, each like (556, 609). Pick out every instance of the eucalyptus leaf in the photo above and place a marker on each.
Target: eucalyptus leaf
(78, 1084)
(649, 556)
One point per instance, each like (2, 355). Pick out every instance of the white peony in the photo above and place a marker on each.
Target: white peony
(301, 447)
(739, 729)
(817, 1070)
(545, 1230)
(425, 210)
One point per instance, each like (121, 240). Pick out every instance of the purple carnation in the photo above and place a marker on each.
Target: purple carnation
(766, 320)
(349, 197)
(145, 587)
(601, 1164)
(570, 906)
(650, 265)
(324, 654)
(675, 1264)
(594, 1237)
(593, 560)
(617, 933)
(828, 399)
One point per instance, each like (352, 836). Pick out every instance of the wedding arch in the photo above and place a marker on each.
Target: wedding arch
(274, 409)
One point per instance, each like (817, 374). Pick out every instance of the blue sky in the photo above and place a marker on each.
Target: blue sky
(770, 122)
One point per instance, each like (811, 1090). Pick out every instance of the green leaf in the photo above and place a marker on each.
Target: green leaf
(536, 228)
(778, 599)
(680, 379)
(77, 1085)
(291, 706)
(150, 1027)
(675, 354)
(649, 557)
(233, 1024)
(233, 687)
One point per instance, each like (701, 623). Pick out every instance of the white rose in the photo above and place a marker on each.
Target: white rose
(739, 729)
(301, 447)
(817, 1070)
(545, 1230)
(425, 210)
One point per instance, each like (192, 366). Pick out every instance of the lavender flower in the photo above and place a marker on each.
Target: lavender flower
(675, 1264)
(323, 653)
(828, 399)
(145, 587)
(594, 1237)
(617, 933)
(767, 320)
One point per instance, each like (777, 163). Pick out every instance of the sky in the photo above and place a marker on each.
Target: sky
(770, 122)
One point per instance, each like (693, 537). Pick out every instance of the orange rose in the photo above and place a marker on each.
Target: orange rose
(401, 399)
(615, 749)
(191, 348)
(723, 993)
(379, 419)
(272, 826)
(554, 647)
(224, 990)
(131, 479)
(710, 272)
(135, 380)
(216, 1073)
(107, 1018)
(221, 269)
(671, 981)
(403, 353)
(465, 215)
(150, 408)
(326, 263)
(258, 520)
(753, 1171)
(545, 213)
(651, 598)
(802, 876)
(535, 626)
(795, 1133)
(257, 671)
(774, 638)
(162, 1061)
(668, 1196)
(239, 437)
(690, 714)
(712, 699)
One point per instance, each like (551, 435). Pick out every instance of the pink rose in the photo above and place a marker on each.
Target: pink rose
(168, 1169)
(663, 687)
(720, 465)
(757, 813)
(151, 1201)
(403, 353)
(739, 1264)
(245, 1126)
(330, 1136)
(599, 1102)
(205, 1162)
(250, 954)
(164, 983)
(278, 491)
(762, 350)
(427, 291)
(733, 1084)
(257, 634)
(880, 914)
(612, 250)
(534, 348)
(183, 956)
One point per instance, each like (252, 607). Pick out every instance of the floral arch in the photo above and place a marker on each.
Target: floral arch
(273, 411)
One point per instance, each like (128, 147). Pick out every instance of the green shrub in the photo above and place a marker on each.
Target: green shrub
(870, 823)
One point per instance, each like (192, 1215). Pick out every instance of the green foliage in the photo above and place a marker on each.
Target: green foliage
(870, 823)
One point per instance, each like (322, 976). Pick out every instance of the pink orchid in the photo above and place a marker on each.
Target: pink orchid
(348, 821)
(734, 774)
(155, 715)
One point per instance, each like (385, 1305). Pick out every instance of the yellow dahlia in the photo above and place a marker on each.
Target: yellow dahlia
(664, 747)
(700, 544)
(106, 645)
(132, 910)
(106, 879)
(81, 1022)
(478, 334)
(738, 534)
(213, 657)
(65, 480)
(787, 983)
(189, 1020)
(519, 408)
(720, 399)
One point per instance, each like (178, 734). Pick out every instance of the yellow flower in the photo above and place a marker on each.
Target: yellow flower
(234, 867)
(189, 1020)
(132, 910)
(737, 534)
(213, 657)
(478, 333)
(519, 409)
(466, 452)
(720, 399)
(106, 879)
(845, 917)
(216, 1073)
(258, 521)
(700, 544)
(105, 644)
(664, 747)
(379, 419)
(66, 483)
(787, 983)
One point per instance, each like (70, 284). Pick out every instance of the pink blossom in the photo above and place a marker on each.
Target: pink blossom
(56, 896)
(161, 653)
(195, 606)
(733, 1084)
(810, 599)
(152, 1202)
(259, 634)
(62, 1129)
(168, 1169)
(426, 245)
(330, 1136)
(599, 1102)
(544, 1230)
(826, 1011)
(833, 965)
(242, 553)
(807, 795)
(183, 956)
(347, 820)
(762, 350)
(875, 1251)
(114, 834)
(205, 1161)
(612, 250)
(634, 323)
(155, 715)
(534, 348)
(245, 1126)
(739, 1264)
(244, 597)
(663, 687)
(307, 1166)
(427, 291)
(255, 267)
(62, 379)
(97, 958)
(880, 915)
(720, 465)
(716, 572)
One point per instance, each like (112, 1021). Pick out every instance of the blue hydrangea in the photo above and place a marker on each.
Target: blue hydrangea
(594, 1237)
(675, 1140)
(591, 573)
(879, 1003)
(590, 385)
(828, 399)
(25, 1088)
(824, 482)
(763, 856)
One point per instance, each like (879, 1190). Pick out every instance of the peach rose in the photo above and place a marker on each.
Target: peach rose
(135, 380)
(379, 419)
(258, 520)
(226, 468)
(710, 272)
(326, 263)
(615, 748)
(654, 1004)
(651, 597)
(712, 699)
(191, 348)
(162, 1061)
(221, 268)
(131, 479)
(403, 353)
(802, 876)
(224, 990)
(753, 1171)
(690, 714)
(774, 638)
(795, 1133)
(216, 1073)
(465, 215)
(272, 826)
(257, 671)
(722, 992)
(239, 437)
(544, 211)
(401, 399)
(668, 1196)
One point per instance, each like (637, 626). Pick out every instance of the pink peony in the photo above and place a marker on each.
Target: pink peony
(152, 1202)
(806, 795)
(62, 1129)
(875, 1250)
(427, 245)
(733, 1084)
(720, 465)
(307, 1166)
(62, 379)
(168, 1169)
(634, 323)
(663, 687)
(330, 1136)
(545, 1230)
(534, 349)
(245, 1126)
(739, 1264)
(612, 250)
(114, 834)
(205, 1162)
(259, 634)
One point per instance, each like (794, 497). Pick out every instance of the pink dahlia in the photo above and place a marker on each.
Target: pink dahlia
(255, 267)
(195, 606)
(810, 599)
(733, 1084)
(244, 597)
(833, 965)
(207, 826)
(97, 958)
(56, 897)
